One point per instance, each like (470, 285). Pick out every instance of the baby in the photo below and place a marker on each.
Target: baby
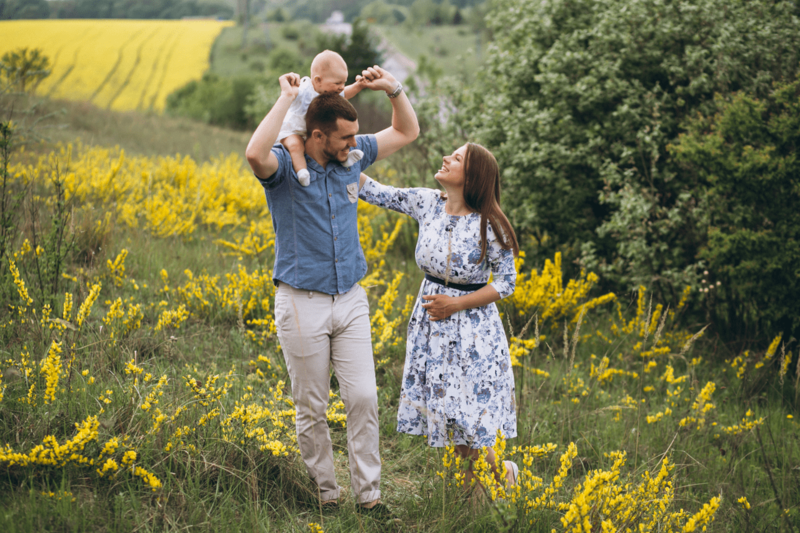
(328, 75)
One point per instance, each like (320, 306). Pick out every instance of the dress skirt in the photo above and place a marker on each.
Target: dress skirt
(458, 384)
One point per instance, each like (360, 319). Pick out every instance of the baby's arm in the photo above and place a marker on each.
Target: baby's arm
(353, 89)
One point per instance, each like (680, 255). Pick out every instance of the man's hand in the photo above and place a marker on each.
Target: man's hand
(290, 84)
(440, 306)
(259, 153)
(377, 79)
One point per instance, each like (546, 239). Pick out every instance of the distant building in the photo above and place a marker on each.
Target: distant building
(337, 17)
(336, 24)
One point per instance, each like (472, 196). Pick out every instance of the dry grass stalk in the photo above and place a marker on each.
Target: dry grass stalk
(647, 320)
(575, 337)
(797, 379)
(661, 325)
(782, 372)
(527, 325)
(691, 341)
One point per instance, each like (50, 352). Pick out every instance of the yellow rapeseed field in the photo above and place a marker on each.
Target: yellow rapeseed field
(117, 64)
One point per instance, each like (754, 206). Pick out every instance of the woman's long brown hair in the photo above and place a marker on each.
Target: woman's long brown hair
(482, 194)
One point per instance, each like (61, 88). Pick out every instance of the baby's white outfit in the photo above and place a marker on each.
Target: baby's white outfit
(295, 124)
(295, 121)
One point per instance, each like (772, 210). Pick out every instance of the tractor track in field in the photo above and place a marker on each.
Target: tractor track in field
(163, 73)
(133, 68)
(116, 65)
(154, 69)
(72, 66)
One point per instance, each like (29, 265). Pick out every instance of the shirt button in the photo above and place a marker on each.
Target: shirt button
(337, 260)
(334, 216)
(329, 195)
(336, 238)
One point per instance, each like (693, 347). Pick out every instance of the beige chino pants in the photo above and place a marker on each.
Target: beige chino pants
(315, 331)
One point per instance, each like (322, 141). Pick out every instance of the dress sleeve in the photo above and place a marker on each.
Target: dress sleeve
(413, 202)
(504, 274)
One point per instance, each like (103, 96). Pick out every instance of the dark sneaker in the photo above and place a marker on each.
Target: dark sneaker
(378, 511)
(330, 507)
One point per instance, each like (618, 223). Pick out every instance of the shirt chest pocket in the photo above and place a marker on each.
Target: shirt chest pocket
(352, 192)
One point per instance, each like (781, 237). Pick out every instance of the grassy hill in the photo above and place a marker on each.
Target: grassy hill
(453, 49)
(136, 132)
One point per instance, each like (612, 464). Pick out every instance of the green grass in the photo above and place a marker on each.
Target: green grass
(228, 58)
(233, 487)
(451, 48)
(136, 132)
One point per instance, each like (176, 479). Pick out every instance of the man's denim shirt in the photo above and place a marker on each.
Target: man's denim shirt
(316, 227)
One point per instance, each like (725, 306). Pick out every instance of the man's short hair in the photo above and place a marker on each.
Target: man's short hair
(325, 110)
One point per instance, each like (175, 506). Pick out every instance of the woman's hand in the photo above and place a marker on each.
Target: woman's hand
(440, 306)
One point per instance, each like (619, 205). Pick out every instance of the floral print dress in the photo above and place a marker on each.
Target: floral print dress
(457, 378)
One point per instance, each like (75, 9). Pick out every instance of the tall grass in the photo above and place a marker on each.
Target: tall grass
(151, 394)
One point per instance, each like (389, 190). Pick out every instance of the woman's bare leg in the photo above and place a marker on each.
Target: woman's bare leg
(470, 455)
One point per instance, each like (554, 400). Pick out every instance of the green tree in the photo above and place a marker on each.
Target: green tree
(277, 15)
(580, 99)
(214, 100)
(745, 159)
(24, 69)
(358, 49)
(380, 12)
(24, 9)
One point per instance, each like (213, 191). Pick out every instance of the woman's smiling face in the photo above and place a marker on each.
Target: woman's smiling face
(452, 171)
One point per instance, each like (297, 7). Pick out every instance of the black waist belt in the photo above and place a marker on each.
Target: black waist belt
(459, 286)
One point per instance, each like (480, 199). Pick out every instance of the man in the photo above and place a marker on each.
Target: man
(321, 312)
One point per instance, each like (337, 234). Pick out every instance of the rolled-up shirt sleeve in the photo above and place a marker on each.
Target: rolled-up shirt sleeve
(501, 261)
(284, 164)
(369, 145)
(412, 202)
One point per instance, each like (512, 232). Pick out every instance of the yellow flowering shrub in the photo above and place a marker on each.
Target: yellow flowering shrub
(546, 294)
(605, 500)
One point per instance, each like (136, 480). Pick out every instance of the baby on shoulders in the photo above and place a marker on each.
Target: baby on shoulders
(328, 75)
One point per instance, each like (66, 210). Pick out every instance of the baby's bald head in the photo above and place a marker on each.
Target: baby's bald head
(328, 72)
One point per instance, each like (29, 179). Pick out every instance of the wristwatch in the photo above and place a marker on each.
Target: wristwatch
(396, 92)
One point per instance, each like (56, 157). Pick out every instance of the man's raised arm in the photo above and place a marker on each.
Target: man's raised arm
(259, 149)
(404, 128)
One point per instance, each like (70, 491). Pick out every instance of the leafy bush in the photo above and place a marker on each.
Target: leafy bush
(214, 100)
(383, 13)
(745, 158)
(24, 9)
(136, 9)
(580, 99)
(23, 69)
(290, 31)
(282, 60)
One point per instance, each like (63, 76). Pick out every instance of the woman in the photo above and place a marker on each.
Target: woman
(458, 382)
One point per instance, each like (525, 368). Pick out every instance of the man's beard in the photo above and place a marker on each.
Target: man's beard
(332, 155)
